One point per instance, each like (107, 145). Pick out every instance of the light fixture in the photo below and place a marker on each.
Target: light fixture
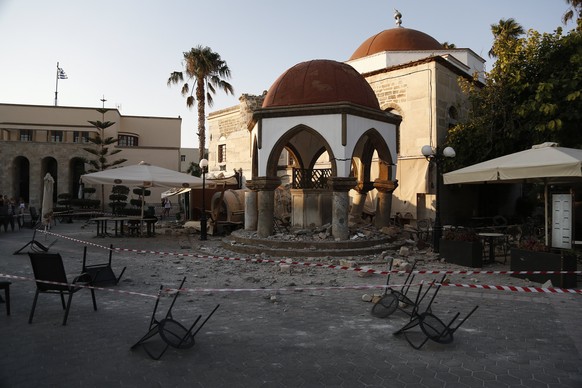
(433, 156)
(203, 220)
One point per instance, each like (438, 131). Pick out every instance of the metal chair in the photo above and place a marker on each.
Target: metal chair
(172, 332)
(432, 328)
(101, 274)
(51, 278)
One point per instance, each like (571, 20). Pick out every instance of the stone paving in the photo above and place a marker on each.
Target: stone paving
(269, 337)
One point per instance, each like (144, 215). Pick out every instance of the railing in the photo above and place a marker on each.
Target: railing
(311, 179)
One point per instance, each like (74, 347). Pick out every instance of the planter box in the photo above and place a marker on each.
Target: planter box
(465, 253)
(522, 260)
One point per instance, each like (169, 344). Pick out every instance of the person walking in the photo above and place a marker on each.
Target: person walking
(167, 207)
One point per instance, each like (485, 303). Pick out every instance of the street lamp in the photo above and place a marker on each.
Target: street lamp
(433, 156)
(203, 235)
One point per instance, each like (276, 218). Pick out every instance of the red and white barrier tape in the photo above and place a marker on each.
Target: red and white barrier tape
(518, 289)
(320, 265)
(77, 285)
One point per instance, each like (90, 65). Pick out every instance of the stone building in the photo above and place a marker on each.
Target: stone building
(414, 77)
(35, 140)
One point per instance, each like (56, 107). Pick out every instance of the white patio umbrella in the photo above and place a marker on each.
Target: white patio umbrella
(47, 199)
(144, 175)
(544, 163)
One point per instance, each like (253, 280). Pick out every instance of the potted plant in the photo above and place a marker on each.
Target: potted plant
(534, 255)
(461, 246)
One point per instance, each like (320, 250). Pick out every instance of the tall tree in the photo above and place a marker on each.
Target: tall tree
(533, 94)
(204, 72)
(505, 34)
(101, 149)
(575, 9)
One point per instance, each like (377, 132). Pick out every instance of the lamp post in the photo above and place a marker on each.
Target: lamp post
(433, 156)
(203, 220)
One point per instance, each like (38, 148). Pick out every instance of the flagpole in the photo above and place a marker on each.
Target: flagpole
(57, 85)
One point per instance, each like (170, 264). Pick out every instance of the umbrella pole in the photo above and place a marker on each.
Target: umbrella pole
(546, 213)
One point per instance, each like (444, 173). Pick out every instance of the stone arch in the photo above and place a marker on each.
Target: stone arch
(372, 141)
(21, 178)
(288, 139)
(50, 165)
(76, 169)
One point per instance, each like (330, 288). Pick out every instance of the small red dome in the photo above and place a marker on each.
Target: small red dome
(396, 39)
(318, 82)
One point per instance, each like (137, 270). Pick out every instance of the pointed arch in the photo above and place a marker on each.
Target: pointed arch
(305, 142)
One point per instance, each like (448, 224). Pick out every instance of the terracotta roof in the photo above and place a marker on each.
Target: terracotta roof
(318, 82)
(396, 39)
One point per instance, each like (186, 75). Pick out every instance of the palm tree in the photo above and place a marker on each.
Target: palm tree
(575, 8)
(204, 72)
(505, 32)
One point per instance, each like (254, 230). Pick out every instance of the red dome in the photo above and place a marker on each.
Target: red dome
(318, 82)
(396, 39)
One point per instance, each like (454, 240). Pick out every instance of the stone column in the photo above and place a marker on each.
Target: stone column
(385, 189)
(251, 211)
(340, 206)
(265, 203)
(359, 200)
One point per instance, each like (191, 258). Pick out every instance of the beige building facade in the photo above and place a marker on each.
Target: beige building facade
(37, 139)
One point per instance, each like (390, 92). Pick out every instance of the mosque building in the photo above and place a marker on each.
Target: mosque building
(316, 120)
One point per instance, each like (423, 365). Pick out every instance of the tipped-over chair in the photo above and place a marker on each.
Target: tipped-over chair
(101, 274)
(172, 332)
(51, 278)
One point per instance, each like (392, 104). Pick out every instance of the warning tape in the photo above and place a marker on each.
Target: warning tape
(319, 265)
(301, 289)
(518, 289)
(77, 285)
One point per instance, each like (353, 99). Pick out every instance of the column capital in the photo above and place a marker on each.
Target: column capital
(364, 187)
(341, 183)
(263, 183)
(385, 186)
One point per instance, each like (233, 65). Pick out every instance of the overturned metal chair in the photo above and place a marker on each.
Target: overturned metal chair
(393, 299)
(171, 332)
(34, 245)
(101, 274)
(51, 278)
(431, 327)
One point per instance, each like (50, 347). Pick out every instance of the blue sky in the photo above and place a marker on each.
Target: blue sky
(126, 49)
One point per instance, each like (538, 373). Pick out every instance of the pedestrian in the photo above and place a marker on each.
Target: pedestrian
(167, 206)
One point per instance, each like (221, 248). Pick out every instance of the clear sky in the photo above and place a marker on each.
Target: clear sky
(125, 50)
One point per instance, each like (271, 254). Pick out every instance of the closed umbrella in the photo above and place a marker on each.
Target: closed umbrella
(47, 199)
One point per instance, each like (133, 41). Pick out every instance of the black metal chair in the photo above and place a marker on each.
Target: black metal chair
(172, 332)
(432, 328)
(51, 278)
(101, 274)
(35, 246)
(393, 300)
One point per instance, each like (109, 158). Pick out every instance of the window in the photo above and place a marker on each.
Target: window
(26, 135)
(127, 141)
(222, 153)
(182, 158)
(80, 137)
(57, 136)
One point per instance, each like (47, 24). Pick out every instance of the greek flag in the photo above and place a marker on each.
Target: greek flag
(61, 74)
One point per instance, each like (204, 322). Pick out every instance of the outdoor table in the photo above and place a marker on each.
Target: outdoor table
(102, 225)
(491, 239)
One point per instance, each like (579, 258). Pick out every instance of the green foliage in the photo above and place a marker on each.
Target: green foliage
(64, 199)
(533, 94)
(101, 148)
(204, 71)
(144, 192)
